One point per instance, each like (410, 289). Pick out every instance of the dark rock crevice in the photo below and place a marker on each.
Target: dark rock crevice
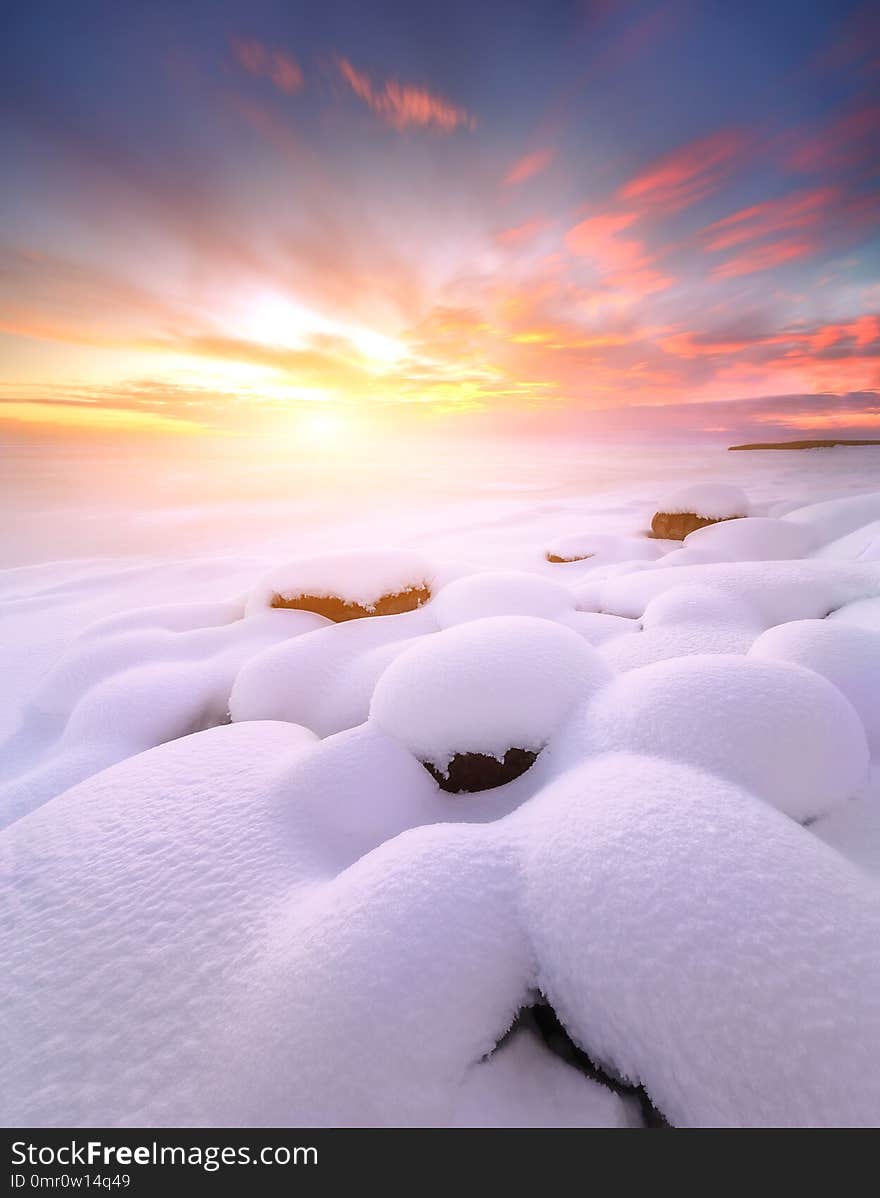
(471, 772)
(543, 1020)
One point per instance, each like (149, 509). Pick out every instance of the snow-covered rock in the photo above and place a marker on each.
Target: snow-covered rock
(501, 593)
(781, 731)
(325, 680)
(695, 507)
(748, 994)
(753, 538)
(487, 686)
(843, 653)
(776, 591)
(347, 586)
(602, 549)
(714, 501)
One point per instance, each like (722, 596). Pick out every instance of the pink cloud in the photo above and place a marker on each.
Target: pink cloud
(687, 175)
(521, 233)
(850, 140)
(404, 105)
(796, 211)
(529, 165)
(763, 257)
(263, 62)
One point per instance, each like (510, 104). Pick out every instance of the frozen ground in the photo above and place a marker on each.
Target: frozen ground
(237, 892)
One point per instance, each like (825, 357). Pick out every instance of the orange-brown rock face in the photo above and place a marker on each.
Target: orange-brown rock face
(338, 610)
(675, 526)
(582, 557)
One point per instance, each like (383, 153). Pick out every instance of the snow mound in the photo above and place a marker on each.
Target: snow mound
(712, 501)
(227, 897)
(682, 621)
(507, 593)
(861, 545)
(753, 538)
(485, 687)
(848, 656)
(523, 1085)
(863, 613)
(125, 687)
(835, 518)
(696, 604)
(603, 549)
(359, 579)
(782, 732)
(748, 994)
(677, 640)
(597, 628)
(776, 591)
(148, 892)
(325, 680)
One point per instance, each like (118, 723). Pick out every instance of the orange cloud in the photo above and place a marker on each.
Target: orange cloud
(687, 175)
(276, 65)
(763, 257)
(404, 105)
(529, 165)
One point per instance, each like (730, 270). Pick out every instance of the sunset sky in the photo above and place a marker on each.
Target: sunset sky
(289, 215)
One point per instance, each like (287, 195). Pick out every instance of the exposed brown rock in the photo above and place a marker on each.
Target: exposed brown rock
(338, 610)
(675, 526)
(581, 557)
(469, 772)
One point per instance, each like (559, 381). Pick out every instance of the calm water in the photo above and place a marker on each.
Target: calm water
(194, 498)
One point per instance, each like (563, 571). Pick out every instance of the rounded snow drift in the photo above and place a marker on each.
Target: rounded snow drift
(848, 656)
(783, 732)
(501, 593)
(696, 604)
(482, 689)
(749, 539)
(606, 547)
(348, 586)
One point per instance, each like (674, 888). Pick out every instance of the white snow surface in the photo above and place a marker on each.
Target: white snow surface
(714, 501)
(360, 576)
(781, 731)
(233, 895)
(843, 653)
(486, 686)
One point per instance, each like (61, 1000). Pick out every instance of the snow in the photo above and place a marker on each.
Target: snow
(713, 501)
(507, 593)
(863, 613)
(781, 731)
(602, 549)
(748, 993)
(777, 591)
(848, 656)
(831, 519)
(325, 679)
(357, 577)
(522, 1085)
(485, 687)
(122, 688)
(754, 538)
(283, 920)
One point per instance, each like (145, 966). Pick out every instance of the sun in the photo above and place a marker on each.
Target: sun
(322, 430)
(273, 319)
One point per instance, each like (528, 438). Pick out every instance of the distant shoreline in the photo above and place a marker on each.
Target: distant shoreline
(829, 444)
